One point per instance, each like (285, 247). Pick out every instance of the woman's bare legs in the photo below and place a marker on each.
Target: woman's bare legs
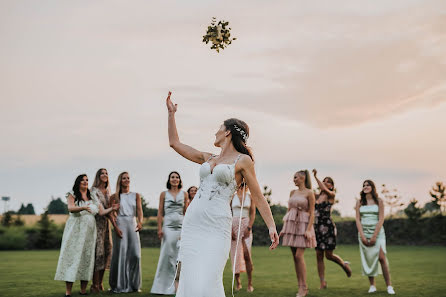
(101, 278)
(95, 283)
(338, 260)
(68, 287)
(301, 269)
(385, 267)
(321, 268)
(84, 284)
(249, 266)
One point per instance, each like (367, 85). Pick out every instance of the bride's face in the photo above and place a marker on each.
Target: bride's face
(220, 136)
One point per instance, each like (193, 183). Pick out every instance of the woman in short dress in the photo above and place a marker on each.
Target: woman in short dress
(371, 236)
(325, 229)
(76, 259)
(125, 267)
(298, 231)
(243, 250)
(171, 210)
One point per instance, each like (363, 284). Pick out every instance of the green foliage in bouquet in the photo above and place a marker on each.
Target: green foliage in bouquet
(219, 34)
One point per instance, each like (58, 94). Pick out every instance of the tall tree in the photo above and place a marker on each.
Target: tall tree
(438, 195)
(30, 209)
(26, 210)
(412, 211)
(7, 219)
(147, 212)
(391, 198)
(57, 206)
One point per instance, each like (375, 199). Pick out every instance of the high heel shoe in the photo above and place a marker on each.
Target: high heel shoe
(347, 268)
(305, 294)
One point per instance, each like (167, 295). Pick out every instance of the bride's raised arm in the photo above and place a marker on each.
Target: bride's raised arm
(248, 173)
(184, 150)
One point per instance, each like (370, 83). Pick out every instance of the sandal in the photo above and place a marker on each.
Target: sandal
(306, 293)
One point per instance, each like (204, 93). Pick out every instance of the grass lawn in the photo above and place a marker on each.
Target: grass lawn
(416, 271)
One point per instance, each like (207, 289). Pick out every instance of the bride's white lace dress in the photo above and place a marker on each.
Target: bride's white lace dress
(206, 233)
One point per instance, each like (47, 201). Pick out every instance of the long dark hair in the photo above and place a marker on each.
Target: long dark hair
(190, 188)
(76, 189)
(169, 186)
(238, 140)
(373, 193)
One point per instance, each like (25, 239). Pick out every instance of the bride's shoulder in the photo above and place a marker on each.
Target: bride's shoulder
(244, 160)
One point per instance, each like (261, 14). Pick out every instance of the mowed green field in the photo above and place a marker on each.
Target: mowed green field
(416, 271)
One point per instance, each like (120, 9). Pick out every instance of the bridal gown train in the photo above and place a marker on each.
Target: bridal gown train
(206, 234)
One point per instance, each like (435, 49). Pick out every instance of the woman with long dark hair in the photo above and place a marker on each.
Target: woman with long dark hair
(325, 228)
(125, 268)
(191, 192)
(371, 236)
(76, 259)
(298, 230)
(100, 191)
(171, 210)
(206, 233)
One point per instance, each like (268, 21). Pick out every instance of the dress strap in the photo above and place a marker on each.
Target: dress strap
(212, 156)
(238, 158)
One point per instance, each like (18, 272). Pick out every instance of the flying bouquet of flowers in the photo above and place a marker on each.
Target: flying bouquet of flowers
(219, 34)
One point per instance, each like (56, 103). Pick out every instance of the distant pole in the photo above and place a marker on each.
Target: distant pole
(6, 199)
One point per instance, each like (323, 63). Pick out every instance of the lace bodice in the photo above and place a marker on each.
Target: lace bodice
(219, 183)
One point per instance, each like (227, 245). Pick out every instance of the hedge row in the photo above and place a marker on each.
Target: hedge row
(399, 231)
(426, 231)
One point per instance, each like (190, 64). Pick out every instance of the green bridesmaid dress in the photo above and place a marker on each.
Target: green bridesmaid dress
(370, 254)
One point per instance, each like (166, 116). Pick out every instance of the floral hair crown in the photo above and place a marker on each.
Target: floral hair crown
(242, 132)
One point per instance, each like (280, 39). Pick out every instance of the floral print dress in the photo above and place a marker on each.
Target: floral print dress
(104, 243)
(76, 259)
(324, 227)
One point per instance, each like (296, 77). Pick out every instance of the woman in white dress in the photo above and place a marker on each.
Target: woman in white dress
(206, 233)
(77, 252)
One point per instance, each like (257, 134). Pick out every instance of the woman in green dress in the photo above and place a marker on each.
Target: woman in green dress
(172, 207)
(371, 235)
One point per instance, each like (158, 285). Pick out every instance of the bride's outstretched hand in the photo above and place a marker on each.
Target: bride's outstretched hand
(170, 106)
(274, 238)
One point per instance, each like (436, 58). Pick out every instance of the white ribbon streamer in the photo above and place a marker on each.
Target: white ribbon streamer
(238, 239)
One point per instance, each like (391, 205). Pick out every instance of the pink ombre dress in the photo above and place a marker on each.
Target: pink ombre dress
(237, 210)
(295, 223)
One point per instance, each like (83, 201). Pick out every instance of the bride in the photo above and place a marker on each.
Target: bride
(206, 233)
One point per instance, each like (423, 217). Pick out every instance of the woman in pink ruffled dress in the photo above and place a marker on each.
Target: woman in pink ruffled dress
(298, 232)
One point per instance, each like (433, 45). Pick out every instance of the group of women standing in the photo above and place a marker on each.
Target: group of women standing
(88, 248)
(308, 224)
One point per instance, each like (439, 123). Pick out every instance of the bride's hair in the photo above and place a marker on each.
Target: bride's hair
(240, 133)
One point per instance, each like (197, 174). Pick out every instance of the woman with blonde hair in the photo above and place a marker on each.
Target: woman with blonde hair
(243, 207)
(298, 231)
(125, 268)
(101, 193)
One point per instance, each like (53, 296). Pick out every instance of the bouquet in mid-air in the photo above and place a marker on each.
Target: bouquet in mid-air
(219, 34)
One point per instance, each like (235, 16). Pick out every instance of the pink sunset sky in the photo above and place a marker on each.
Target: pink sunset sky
(356, 89)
